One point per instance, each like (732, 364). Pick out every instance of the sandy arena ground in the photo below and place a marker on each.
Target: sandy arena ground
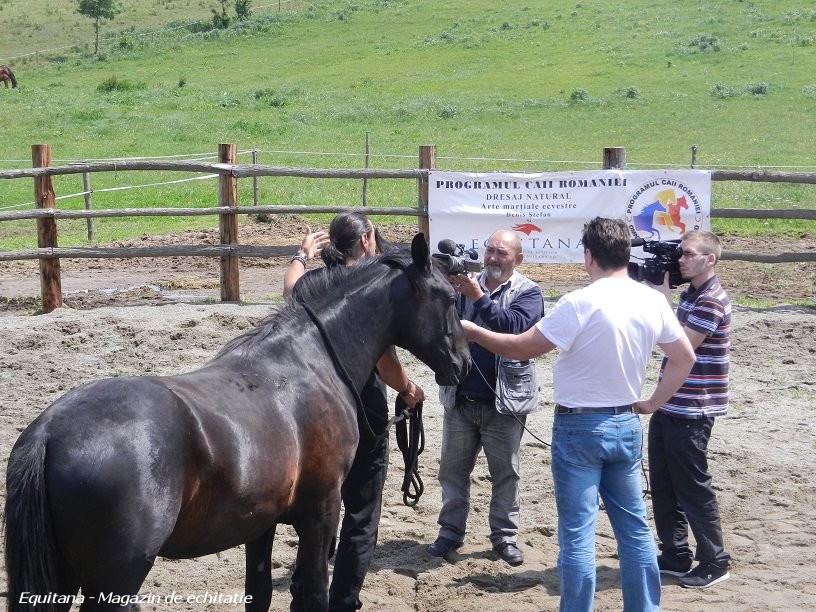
(762, 454)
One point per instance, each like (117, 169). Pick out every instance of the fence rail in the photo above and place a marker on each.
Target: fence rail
(258, 170)
(232, 170)
(55, 213)
(244, 250)
(229, 251)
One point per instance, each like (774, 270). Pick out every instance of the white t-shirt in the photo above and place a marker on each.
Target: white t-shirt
(605, 334)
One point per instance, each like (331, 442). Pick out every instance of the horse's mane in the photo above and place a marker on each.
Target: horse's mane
(321, 288)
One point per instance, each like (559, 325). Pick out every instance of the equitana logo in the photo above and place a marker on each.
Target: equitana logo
(526, 228)
(663, 209)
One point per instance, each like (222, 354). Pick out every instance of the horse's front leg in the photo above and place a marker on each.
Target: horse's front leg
(316, 528)
(258, 585)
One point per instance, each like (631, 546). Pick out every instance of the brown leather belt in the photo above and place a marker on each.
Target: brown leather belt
(559, 409)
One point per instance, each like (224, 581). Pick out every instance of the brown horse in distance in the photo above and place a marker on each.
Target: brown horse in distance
(6, 75)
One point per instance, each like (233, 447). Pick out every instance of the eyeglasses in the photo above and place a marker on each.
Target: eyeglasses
(682, 253)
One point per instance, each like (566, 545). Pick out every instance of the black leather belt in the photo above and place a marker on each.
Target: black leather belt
(559, 409)
(475, 400)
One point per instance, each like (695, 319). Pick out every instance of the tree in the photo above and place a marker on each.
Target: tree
(98, 10)
(221, 20)
(242, 9)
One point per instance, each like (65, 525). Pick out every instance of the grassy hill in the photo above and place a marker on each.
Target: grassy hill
(540, 85)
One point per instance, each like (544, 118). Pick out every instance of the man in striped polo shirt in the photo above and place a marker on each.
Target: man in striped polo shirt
(682, 495)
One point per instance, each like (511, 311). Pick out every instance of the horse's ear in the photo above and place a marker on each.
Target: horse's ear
(420, 252)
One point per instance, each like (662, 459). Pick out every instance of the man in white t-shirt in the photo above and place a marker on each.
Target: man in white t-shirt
(605, 334)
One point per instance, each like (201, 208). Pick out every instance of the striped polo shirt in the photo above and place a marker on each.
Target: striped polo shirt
(707, 310)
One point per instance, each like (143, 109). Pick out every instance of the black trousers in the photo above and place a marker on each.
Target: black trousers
(682, 495)
(361, 494)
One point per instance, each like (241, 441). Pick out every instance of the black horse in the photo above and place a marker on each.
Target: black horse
(119, 471)
(6, 75)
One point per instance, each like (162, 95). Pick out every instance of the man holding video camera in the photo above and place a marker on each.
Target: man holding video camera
(605, 333)
(682, 495)
(488, 409)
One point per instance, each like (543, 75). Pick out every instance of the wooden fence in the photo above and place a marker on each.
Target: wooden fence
(229, 250)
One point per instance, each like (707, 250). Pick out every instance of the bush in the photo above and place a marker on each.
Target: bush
(579, 95)
(705, 42)
(446, 111)
(112, 83)
(809, 90)
(195, 27)
(757, 89)
(272, 97)
(721, 90)
(630, 92)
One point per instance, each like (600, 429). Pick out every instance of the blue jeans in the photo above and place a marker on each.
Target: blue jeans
(598, 454)
(466, 429)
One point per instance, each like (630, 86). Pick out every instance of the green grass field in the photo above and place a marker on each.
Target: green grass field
(495, 86)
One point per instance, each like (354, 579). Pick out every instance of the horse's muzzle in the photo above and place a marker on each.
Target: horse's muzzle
(455, 377)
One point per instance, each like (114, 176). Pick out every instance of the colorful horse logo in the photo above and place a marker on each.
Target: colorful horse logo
(673, 205)
(664, 211)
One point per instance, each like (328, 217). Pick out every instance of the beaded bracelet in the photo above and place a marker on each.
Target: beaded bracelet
(299, 257)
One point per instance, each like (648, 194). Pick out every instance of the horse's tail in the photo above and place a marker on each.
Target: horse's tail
(30, 550)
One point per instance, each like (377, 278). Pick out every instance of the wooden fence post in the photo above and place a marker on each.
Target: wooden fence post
(255, 179)
(50, 283)
(228, 226)
(614, 158)
(86, 187)
(365, 181)
(427, 160)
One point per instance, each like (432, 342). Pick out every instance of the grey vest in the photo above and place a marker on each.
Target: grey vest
(516, 384)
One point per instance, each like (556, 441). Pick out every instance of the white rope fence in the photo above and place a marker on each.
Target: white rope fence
(187, 156)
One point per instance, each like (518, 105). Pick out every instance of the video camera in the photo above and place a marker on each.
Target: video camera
(666, 259)
(451, 258)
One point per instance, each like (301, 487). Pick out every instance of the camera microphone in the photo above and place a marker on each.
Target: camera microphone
(447, 246)
(472, 253)
(451, 258)
(636, 242)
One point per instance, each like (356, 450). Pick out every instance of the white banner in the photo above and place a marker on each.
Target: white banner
(548, 209)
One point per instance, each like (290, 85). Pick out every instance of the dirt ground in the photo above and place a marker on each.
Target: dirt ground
(90, 283)
(124, 318)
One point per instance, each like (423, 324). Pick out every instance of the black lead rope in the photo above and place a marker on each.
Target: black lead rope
(411, 441)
